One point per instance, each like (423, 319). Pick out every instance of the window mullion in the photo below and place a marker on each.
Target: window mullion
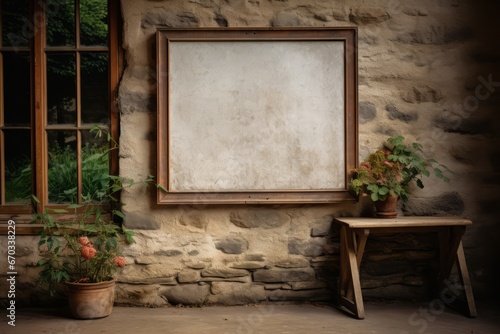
(77, 24)
(2, 164)
(2, 149)
(78, 126)
(79, 166)
(40, 108)
(78, 105)
(114, 76)
(1, 33)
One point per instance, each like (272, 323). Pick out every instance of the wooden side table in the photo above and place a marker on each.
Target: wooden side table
(354, 233)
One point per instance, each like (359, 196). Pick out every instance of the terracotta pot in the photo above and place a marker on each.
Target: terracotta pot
(91, 300)
(387, 208)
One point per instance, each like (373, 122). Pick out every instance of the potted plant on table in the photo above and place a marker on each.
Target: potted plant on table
(389, 173)
(81, 245)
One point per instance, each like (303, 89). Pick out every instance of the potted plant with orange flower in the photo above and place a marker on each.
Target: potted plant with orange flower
(83, 253)
(81, 247)
(389, 173)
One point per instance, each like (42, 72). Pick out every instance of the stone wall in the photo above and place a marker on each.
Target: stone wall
(428, 70)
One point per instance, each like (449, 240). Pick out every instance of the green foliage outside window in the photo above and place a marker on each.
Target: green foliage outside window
(18, 180)
(62, 172)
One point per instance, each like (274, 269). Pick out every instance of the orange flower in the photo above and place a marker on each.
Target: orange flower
(365, 166)
(88, 252)
(119, 261)
(385, 151)
(84, 241)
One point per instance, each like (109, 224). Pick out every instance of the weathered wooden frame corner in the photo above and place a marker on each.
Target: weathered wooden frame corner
(164, 38)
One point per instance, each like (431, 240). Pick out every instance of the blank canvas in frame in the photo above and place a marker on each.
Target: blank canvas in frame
(255, 118)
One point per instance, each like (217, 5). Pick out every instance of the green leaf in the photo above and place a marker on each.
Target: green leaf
(115, 188)
(119, 214)
(383, 191)
(65, 276)
(129, 237)
(374, 197)
(373, 188)
(162, 187)
(419, 183)
(111, 244)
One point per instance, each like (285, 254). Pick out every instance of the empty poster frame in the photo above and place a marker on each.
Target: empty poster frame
(256, 115)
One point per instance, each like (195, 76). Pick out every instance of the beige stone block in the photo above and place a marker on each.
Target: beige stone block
(236, 293)
(188, 276)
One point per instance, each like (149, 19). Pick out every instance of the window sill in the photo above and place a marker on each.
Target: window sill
(22, 226)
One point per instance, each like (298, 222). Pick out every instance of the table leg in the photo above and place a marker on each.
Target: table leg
(344, 275)
(360, 244)
(452, 252)
(464, 274)
(449, 250)
(350, 288)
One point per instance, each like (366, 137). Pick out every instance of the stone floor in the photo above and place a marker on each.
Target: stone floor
(387, 318)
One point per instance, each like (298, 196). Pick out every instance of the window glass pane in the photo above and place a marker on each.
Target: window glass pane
(62, 167)
(17, 166)
(61, 88)
(16, 29)
(95, 167)
(16, 89)
(94, 88)
(94, 22)
(60, 23)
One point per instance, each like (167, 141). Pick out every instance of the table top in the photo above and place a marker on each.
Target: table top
(402, 221)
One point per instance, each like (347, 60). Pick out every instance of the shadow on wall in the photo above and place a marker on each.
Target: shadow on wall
(483, 102)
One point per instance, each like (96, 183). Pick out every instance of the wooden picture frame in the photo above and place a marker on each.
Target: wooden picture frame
(256, 115)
